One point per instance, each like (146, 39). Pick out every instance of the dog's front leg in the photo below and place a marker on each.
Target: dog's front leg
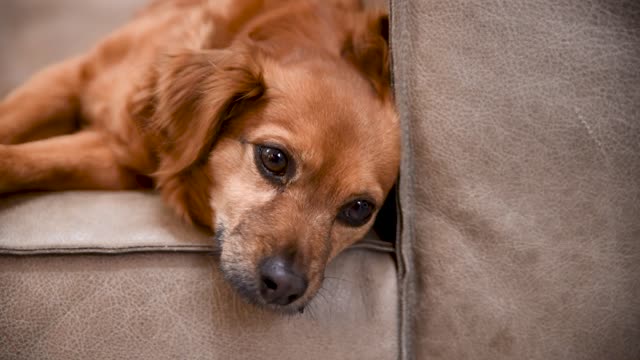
(45, 106)
(82, 160)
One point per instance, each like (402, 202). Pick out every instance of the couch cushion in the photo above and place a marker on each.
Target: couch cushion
(176, 305)
(59, 300)
(94, 221)
(521, 177)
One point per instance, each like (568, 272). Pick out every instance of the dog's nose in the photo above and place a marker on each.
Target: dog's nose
(280, 283)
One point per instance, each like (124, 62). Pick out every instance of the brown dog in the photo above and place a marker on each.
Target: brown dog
(270, 122)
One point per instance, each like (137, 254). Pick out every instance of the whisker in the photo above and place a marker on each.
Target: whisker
(322, 296)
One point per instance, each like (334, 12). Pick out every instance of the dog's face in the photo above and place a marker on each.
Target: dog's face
(298, 178)
(288, 160)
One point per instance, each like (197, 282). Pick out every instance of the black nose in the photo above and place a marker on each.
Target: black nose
(280, 283)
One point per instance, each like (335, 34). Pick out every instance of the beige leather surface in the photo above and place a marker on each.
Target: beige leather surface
(96, 221)
(521, 177)
(59, 300)
(36, 33)
(176, 306)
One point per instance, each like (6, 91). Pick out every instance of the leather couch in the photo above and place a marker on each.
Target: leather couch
(519, 202)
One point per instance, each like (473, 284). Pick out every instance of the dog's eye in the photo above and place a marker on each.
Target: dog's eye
(273, 160)
(356, 213)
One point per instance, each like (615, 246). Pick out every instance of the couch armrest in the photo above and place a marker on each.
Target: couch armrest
(520, 182)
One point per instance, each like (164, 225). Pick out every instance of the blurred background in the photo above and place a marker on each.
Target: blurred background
(35, 33)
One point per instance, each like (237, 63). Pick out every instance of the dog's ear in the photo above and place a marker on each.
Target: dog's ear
(367, 48)
(196, 93)
(180, 110)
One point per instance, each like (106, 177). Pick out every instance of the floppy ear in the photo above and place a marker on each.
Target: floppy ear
(188, 98)
(195, 93)
(367, 48)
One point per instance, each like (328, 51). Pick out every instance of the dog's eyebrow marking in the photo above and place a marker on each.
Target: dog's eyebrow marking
(272, 132)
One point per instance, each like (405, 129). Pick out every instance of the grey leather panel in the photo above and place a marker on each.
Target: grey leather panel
(94, 220)
(176, 306)
(520, 184)
(37, 33)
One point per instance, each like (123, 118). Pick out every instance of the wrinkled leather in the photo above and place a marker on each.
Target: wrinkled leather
(520, 187)
(176, 306)
(59, 300)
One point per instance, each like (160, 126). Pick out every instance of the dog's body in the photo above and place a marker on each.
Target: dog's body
(270, 122)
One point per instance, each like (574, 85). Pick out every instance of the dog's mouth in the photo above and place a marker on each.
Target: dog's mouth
(277, 291)
(273, 281)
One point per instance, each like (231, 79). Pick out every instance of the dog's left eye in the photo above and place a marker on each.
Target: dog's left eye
(356, 213)
(273, 160)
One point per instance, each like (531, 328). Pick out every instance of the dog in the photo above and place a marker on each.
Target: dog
(271, 123)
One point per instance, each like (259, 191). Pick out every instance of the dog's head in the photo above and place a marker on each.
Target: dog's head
(287, 156)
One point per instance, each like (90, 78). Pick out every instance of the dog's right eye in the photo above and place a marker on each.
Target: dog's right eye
(356, 213)
(272, 162)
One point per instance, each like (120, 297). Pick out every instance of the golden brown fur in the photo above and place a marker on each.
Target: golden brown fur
(185, 94)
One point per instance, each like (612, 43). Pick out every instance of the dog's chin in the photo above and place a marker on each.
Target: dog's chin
(247, 287)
